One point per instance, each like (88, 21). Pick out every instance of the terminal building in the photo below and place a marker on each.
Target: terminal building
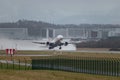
(89, 33)
(81, 32)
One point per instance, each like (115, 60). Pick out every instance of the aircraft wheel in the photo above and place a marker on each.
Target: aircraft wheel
(60, 47)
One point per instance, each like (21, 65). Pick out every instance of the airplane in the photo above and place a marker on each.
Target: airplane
(57, 42)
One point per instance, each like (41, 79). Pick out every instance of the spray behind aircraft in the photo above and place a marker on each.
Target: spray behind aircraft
(57, 42)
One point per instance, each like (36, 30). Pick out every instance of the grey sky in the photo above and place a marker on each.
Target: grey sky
(61, 11)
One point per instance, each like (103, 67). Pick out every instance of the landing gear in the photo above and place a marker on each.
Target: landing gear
(50, 47)
(60, 47)
(66, 43)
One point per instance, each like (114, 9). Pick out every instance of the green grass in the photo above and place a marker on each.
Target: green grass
(68, 54)
(50, 75)
(28, 52)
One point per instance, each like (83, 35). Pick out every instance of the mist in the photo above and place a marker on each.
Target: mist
(28, 45)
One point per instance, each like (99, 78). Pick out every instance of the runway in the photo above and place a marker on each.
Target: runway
(85, 51)
(14, 62)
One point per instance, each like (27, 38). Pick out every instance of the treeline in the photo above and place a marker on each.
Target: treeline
(34, 27)
(111, 42)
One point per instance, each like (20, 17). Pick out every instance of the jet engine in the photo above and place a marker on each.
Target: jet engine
(66, 43)
(47, 43)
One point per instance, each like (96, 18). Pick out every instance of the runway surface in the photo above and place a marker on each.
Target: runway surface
(110, 52)
(14, 62)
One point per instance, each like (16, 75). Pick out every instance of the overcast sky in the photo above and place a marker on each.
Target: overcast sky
(61, 11)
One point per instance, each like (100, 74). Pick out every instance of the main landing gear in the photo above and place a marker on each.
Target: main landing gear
(60, 47)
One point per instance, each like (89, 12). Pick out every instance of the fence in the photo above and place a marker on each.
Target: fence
(92, 65)
(15, 64)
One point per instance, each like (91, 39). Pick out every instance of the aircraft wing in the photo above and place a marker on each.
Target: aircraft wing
(40, 42)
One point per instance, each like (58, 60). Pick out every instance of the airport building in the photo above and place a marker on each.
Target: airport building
(14, 33)
(90, 33)
(81, 32)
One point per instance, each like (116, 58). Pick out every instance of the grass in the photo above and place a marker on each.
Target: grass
(53, 75)
(28, 52)
(82, 54)
(49, 75)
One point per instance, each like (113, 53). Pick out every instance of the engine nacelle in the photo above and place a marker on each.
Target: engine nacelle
(66, 43)
(47, 43)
